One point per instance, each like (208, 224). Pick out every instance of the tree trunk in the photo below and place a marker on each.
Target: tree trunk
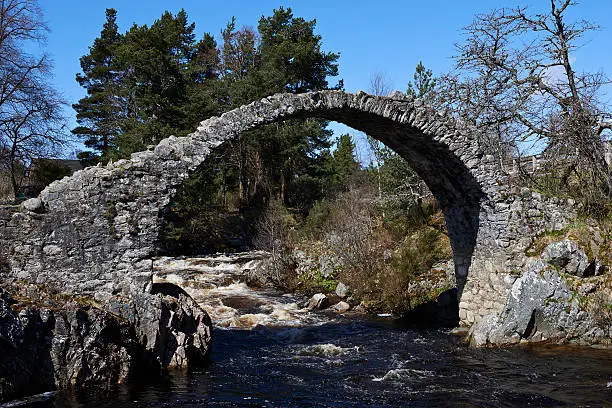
(282, 193)
(12, 159)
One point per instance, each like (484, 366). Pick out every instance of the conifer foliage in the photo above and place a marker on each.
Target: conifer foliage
(160, 80)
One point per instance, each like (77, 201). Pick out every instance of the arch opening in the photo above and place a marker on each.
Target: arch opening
(434, 159)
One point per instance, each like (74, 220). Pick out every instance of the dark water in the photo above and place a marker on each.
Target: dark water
(358, 363)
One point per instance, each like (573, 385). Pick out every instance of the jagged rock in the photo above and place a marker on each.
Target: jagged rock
(540, 306)
(342, 290)
(25, 366)
(33, 204)
(318, 301)
(341, 307)
(90, 346)
(567, 256)
(176, 330)
(75, 345)
(65, 341)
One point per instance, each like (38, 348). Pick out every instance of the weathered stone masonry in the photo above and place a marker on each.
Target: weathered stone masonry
(95, 232)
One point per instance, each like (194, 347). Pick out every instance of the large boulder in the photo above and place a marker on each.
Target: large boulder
(567, 256)
(540, 306)
(341, 307)
(342, 290)
(318, 301)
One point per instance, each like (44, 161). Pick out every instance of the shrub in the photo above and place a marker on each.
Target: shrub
(272, 235)
(386, 252)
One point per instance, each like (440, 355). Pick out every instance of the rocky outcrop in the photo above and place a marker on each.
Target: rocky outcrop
(173, 327)
(542, 306)
(51, 341)
(567, 257)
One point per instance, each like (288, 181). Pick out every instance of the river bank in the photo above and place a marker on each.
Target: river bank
(365, 362)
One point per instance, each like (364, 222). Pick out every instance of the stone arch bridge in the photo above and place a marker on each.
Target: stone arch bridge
(96, 231)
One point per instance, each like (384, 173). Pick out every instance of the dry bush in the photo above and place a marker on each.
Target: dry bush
(354, 233)
(388, 264)
(410, 279)
(350, 231)
(272, 235)
(6, 190)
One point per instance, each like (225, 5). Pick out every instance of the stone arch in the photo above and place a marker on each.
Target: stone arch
(450, 161)
(100, 226)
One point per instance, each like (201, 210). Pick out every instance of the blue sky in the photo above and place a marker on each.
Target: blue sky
(389, 37)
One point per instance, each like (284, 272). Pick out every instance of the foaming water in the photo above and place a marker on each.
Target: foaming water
(268, 351)
(215, 283)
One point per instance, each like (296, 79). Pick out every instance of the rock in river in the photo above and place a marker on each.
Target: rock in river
(318, 301)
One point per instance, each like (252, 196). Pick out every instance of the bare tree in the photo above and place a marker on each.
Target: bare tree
(379, 86)
(272, 236)
(34, 128)
(31, 123)
(515, 78)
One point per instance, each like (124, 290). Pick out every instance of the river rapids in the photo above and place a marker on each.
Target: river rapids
(269, 350)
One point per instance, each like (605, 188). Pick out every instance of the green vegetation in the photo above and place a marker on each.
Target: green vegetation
(47, 171)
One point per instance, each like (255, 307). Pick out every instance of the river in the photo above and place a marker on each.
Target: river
(268, 351)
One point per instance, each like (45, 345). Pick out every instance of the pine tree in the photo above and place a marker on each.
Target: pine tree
(164, 74)
(99, 113)
(291, 54)
(424, 83)
(345, 164)
(153, 63)
(291, 61)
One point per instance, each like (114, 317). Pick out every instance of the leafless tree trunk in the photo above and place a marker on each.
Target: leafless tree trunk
(31, 123)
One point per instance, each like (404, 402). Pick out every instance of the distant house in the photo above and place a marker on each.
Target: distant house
(42, 172)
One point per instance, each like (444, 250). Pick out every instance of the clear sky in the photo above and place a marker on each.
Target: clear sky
(389, 37)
